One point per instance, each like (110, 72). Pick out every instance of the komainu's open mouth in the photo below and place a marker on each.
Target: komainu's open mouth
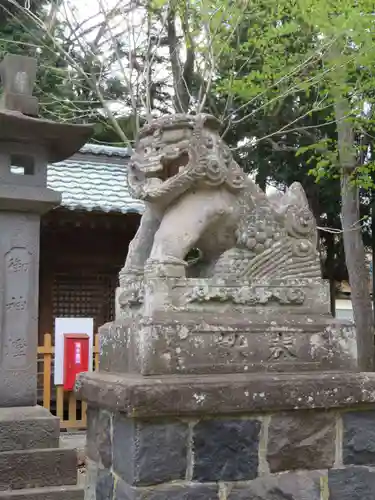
(171, 167)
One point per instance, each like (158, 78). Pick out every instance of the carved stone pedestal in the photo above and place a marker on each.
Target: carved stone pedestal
(203, 343)
(231, 437)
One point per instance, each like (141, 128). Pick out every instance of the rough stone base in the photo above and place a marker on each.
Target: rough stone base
(27, 428)
(302, 449)
(299, 455)
(47, 493)
(27, 104)
(32, 465)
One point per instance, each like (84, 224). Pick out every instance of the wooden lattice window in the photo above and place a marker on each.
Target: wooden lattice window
(84, 294)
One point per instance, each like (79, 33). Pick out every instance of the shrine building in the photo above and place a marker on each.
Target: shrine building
(84, 241)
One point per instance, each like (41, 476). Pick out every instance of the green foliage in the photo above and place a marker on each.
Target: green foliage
(270, 70)
(66, 92)
(275, 89)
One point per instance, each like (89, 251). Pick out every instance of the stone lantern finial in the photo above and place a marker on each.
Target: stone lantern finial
(18, 74)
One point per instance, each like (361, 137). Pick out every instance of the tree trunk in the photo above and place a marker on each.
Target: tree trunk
(173, 45)
(181, 73)
(353, 244)
(330, 268)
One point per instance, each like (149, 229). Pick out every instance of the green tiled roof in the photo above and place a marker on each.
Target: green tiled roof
(94, 185)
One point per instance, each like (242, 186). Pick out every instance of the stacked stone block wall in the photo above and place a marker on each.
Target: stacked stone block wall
(298, 455)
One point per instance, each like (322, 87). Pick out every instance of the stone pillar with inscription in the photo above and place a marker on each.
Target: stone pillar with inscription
(224, 375)
(32, 465)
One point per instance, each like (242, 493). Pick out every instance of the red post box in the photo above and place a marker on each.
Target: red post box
(76, 357)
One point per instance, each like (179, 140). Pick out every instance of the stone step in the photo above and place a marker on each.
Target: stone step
(28, 428)
(37, 468)
(49, 493)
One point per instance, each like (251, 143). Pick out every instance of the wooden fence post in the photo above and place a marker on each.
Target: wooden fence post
(47, 350)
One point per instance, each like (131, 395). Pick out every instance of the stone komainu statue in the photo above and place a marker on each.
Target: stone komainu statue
(197, 196)
(253, 301)
(203, 363)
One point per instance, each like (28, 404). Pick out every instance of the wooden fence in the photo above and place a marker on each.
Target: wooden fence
(72, 413)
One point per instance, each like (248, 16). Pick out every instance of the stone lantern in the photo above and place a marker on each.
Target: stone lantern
(29, 434)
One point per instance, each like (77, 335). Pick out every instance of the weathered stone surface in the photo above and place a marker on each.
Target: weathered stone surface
(22, 128)
(225, 394)
(351, 483)
(28, 427)
(147, 452)
(92, 475)
(99, 442)
(37, 468)
(19, 268)
(359, 438)
(253, 286)
(211, 201)
(225, 450)
(104, 485)
(189, 491)
(27, 144)
(301, 440)
(18, 96)
(29, 457)
(252, 300)
(291, 486)
(48, 493)
(209, 341)
(28, 199)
